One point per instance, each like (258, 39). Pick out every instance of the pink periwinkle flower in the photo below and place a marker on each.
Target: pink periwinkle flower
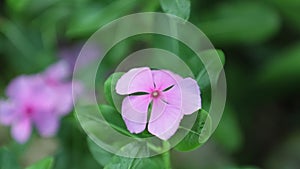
(170, 96)
(38, 100)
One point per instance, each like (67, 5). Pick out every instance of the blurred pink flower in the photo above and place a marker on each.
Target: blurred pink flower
(171, 96)
(37, 100)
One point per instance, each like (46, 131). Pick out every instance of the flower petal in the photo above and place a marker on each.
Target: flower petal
(64, 100)
(135, 112)
(185, 95)
(135, 80)
(7, 112)
(22, 87)
(58, 72)
(158, 108)
(21, 130)
(134, 127)
(173, 97)
(46, 123)
(168, 122)
(164, 79)
(190, 96)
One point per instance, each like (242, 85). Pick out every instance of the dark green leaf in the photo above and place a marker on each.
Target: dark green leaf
(42, 164)
(110, 89)
(114, 118)
(110, 160)
(229, 134)
(290, 10)
(89, 19)
(17, 5)
(118, 162)
(203, 79)
(135, 163)
(30, 6)
(203, 73)
(25, 49)
(180, 8)
(199, 133)
(284, 64)
(101, 156)
(240, 23)
(7, 160)
(73, 152)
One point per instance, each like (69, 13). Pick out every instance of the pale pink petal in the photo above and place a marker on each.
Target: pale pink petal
(22, 87)
(57, 98)
(185, 95)
(191, 100)
(168, 122)
(134, 127)
(7, 112)
(58, 72)
(41, 94)
(135, 112)
(46, 98)
(175, 76)
(173, 97)
(18, 87)
(21, 130)
(42, 98)
(164, 79)
(135, 80)
(64, 99)
(46, 123)
(158, 107)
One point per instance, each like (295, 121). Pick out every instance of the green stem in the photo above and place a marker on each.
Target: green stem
(166, 157)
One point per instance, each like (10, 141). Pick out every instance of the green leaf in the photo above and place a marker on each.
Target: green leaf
(111, 161)
(240, 23)
(42, 164)
(24, 49)
(114, 118)
(73, 152)
(88, 20)
(290, 10)
(118, 162)
(134, 163)
(180, 8)
(203, 73)
(199, 133)
(8, 160)
(101, 156)
(203, 78)
(284, 64)
(229, 134)
(110, 89)
(30, 6)
(17, 5)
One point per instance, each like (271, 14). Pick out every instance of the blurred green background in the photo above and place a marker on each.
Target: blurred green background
(260, 127)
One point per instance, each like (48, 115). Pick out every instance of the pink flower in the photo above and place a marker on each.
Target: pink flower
(170, 95)
(39, 100)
